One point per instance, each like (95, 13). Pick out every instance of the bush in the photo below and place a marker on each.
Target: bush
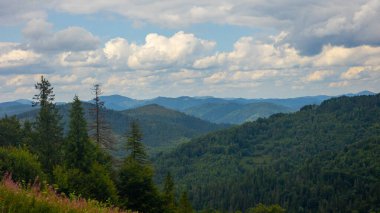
(23, 165)
(96, 184)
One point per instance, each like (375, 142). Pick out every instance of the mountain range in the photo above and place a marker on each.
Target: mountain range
(216, 110)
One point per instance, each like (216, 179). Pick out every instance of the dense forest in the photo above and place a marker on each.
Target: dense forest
(321, 159)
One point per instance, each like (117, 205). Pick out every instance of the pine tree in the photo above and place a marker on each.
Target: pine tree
(134, 144)
(77, 153)
(47, 126)
(184, 204)
(136, 186)
(169, 200)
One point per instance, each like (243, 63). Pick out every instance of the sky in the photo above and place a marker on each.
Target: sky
(223, 48)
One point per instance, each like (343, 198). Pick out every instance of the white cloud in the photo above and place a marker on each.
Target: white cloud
(353, 73)
(163, 52)
(12, 56)
(319, 75)
(40, 37)
(339, 84)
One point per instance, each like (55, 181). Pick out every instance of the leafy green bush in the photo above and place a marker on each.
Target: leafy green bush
(97, 184)
(22, 164)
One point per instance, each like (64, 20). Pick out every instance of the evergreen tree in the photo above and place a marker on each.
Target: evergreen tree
(169, 199)
(77, 153)
(135, 145)
(47, 126)
(10, 131)
(136, 186)
(184, 204)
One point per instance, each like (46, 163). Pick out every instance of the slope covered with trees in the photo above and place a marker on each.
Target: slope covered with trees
(321, 159)
(235, 113)
(162, 128)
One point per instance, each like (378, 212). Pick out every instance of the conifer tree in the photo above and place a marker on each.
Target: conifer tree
(169, 200)
(47, 126)
(184, 204)
(136, 186)
(77, 153)
(135, 145)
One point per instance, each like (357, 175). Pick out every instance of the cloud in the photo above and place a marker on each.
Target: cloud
(11, 55)
(310, 24)
(17, 11)
(40, 37)
(158, 52)
(339, 84)
(353, 73)
(319, 75)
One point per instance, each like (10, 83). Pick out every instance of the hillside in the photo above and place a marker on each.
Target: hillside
(235, 113)
(162, 128)
(14, 107)
(321, 159)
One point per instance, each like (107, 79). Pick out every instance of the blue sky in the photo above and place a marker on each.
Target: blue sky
(224, 48)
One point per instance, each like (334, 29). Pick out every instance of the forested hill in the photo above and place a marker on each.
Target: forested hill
(321, 159)
(161, 127)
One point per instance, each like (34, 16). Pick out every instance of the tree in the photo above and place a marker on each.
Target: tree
(136, 186)
(47, 126)
(77, 153)
(168, 196)
(100, 130)
(134, 144)
(261, 208)
(184, 204)
(11, 133)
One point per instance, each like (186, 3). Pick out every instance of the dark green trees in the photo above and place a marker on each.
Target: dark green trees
(83, 172)
(10, 132)
(49, 131)
(136, 188)
(168, 194)
(77, 153)
(135, 145)
(184, 204)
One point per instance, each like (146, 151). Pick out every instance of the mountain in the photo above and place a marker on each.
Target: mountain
(320, 159)
(118, 102)
(162, 128)
(15, 107)
(235, 113)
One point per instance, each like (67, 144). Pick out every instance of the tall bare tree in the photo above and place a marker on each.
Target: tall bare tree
(100, 129)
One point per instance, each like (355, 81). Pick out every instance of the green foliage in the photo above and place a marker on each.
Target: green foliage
(78, 145)
(261, 208)
(168, 194)
(47, 125)
(10, 131)
(96, 184)
(184, 205)
(136, 188)
(320, 159)
(135, 147)
(23, 165)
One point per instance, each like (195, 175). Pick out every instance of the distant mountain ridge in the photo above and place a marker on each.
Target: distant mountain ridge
(236, 110)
